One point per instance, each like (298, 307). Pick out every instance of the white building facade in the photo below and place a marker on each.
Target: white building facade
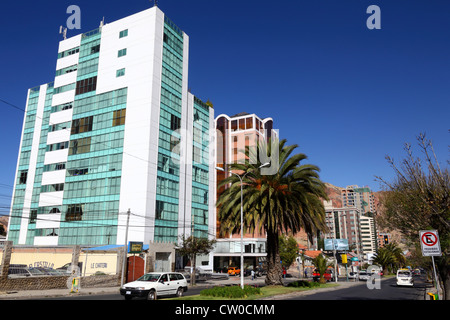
(116, 131)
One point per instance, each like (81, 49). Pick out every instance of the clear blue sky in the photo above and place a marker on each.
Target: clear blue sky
(345, 94)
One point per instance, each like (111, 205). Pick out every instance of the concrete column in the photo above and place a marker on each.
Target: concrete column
(6, 259)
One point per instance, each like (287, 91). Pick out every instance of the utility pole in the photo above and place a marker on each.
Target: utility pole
(124, 265)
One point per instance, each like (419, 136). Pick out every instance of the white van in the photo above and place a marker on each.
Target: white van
(154, 284)
(405, 278)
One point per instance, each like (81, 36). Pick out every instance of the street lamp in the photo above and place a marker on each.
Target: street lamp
(241, 178)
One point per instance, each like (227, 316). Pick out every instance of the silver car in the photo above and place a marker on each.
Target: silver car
(363, 275)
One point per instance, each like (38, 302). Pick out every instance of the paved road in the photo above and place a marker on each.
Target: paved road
(356, 291)
(388, 291)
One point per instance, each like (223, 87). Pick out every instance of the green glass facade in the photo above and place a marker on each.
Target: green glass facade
(168, 177)
(200, 170)
(94, 165)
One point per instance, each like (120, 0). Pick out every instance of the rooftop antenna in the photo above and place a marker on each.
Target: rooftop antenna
(102, 23)
(63, 31)
(156, 3)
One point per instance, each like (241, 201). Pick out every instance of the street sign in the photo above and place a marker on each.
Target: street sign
(429, 241)
(135, 247)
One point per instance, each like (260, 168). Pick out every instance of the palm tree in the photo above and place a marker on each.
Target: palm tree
(321, 263)
(287, 201)
(384, 258)
(396, 251)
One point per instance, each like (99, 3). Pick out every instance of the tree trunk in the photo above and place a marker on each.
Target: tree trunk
(274, 271)
(444, 274)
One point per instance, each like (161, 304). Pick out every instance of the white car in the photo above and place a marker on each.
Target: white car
(353, 275)
(364, 275)
(405, 278)
(154, 284)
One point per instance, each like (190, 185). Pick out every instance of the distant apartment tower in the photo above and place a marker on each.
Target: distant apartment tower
(369, 241)
(348, 223)
(109, 135)
(361, 198)
(343, 223)
(233, 134)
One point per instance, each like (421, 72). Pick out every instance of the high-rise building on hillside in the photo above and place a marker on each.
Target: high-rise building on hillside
(116, 130)
(361, 198)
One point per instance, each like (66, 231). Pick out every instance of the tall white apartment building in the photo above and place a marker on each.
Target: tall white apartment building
(116, 131)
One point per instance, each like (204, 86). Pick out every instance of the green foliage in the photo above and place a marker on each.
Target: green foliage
(322, 264)
(288, 250)
(304, 284)
(193, 246)
(234, 292)
(390, 257)
(289, 200)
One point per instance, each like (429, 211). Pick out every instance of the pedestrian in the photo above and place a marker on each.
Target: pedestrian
(284, 272)
(253, 275)
(306, 273)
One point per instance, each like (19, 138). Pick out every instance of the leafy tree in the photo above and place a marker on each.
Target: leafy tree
(419, 199)
(288, 251)
(193, 246)
(287, 201)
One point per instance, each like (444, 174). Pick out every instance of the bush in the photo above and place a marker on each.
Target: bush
(231, 292)
(304, 284)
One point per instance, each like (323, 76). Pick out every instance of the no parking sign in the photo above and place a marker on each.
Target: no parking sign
(429, 240)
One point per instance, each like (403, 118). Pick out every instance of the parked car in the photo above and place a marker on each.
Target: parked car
(363, 275)
(51, 272)
(154, 284)
(328, 275)
(405, 278)
(234, 271)
(353, 275)
(23, 272)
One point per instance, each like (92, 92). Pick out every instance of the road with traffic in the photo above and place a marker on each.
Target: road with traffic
(359, 291)
(388, 290)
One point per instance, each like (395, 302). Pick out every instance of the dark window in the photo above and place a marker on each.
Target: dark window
(78, 172)
(23, 177)
(33, 216)
(175, 122)
(74, 212)
(159, 209)
(95, 49)
(233, 125)
(86, 85)
(82, 125)
(166, 38)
